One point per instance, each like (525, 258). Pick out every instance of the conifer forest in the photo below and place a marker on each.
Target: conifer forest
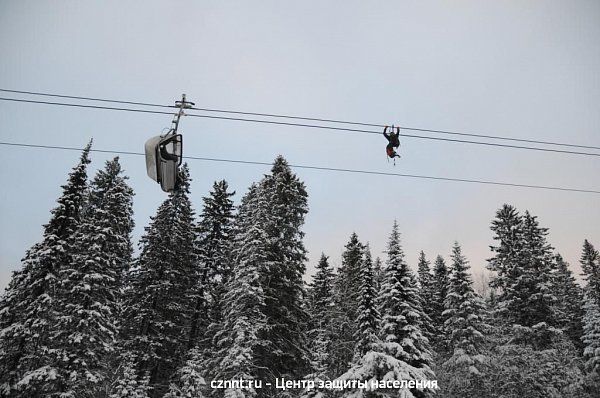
(220, 295)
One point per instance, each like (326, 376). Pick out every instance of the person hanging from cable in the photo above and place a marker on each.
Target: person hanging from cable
(393, 141)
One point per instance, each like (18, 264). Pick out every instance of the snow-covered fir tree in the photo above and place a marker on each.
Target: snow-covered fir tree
(426, 292)
(262, 334)
(533, 291)
(28, 309)
(568, 310)
(440, 284)
(189, 382)
(507, 259)
(347, 293)
(240, 339)
(465, 313)
(526, 344)
(213, 345)
(159, 296)
(319, 366)
(591, 333)
(111, 192)
(402, 353)
(368, 315)
(402, 311)
(425, 278)
(535, 368)
(320, 334)
(12, 335)
(286, 200)
(590, 265)
(321, 292)
(214, 245)
(128, 384)
(523, 264)
(378, 274)
(89, 290)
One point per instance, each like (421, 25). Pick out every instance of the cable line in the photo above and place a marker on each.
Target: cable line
(306, 125)
(495, 137)
(110, 108)
(319, 168)
(422, 137)
(85, 98)
(280, 116)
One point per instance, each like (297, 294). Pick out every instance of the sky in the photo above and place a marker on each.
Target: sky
(525, 69)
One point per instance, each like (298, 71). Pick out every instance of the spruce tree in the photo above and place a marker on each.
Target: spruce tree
(320, 334)
(402, 352)
(533, 291)
(528, 279)
(402, 312)
(240, 340)
(321, 291)
(286, 205)
(347, 293)
(189, 382)
(533, 371)
(465, 313)
(111, 193)
(28, 309)
(425, 278)
(590, 265)
(262, 334)
(507, 261)
(426, 292)
(591, 333)
(523, 264)
(241, 223)
(159, 295)
(214, 244)
(128, 384)
(439, 293)
(90, 285)
(12, 335)
(378, 274)
(368, 315)
(568, 307)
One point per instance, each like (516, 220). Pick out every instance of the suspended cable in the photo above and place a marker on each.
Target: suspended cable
(422, 137)
(320, 168)
(280, 116)
(85, 98)
(306, 125)
(495, 137)
(110, 108)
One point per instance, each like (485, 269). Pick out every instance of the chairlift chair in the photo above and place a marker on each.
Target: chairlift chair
(163, 158)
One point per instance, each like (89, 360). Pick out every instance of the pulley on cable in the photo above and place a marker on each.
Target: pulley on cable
(164, 152)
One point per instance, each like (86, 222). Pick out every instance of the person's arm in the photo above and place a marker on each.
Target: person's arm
(385, 133)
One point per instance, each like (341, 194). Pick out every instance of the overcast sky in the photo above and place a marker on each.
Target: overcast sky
(527, 69)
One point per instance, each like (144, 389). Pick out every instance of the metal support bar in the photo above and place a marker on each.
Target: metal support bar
(183, 104)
